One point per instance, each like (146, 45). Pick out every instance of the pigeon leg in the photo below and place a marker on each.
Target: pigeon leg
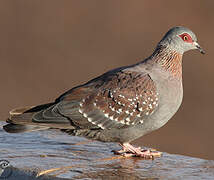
(130, 151)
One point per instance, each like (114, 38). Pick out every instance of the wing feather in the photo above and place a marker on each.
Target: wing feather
(125, 99)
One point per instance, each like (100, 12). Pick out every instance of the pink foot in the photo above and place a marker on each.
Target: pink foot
(130, 151)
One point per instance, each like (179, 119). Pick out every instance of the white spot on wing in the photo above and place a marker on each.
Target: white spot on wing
(127, 112)
(90, 119)
(120, 95)
(122, 121)
(101, 126)
(106, 115)
(85, 115)
(113, 109)
(111, 117)
(140, 109)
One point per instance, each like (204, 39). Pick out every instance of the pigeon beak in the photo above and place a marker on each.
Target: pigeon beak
(199, 48)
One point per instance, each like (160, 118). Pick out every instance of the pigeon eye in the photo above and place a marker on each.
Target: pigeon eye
(186, 37)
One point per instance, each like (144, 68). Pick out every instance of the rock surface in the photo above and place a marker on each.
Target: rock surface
(70, 158)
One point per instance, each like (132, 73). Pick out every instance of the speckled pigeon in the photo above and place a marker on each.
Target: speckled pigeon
(121, 105)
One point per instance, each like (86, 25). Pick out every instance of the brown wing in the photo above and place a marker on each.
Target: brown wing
(113, 101)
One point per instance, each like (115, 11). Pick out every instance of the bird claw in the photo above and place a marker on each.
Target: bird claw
(130, 151)
(144, 156)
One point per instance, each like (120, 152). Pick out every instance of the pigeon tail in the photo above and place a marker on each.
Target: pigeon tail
(20, 118)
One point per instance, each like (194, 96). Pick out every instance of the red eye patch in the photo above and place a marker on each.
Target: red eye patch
(186, 37)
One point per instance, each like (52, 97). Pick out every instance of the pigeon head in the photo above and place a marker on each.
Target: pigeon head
(180, 39)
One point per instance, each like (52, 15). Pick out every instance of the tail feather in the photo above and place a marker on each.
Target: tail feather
(20, 119)
(18, 128)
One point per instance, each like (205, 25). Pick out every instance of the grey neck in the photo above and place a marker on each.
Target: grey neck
(168, 59)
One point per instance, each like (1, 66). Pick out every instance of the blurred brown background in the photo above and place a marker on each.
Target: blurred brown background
(47, 47)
